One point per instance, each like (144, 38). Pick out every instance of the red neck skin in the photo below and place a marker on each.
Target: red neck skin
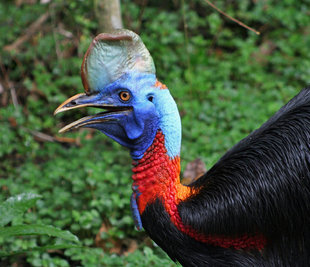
(157, 176)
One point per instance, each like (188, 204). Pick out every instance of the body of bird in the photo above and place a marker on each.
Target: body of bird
(252, 208)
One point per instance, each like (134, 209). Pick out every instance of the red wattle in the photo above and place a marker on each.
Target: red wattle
(156, 175)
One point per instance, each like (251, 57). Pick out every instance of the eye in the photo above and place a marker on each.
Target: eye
(124, 95)
(150, 98)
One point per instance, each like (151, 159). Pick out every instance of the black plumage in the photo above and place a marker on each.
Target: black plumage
(261, 185)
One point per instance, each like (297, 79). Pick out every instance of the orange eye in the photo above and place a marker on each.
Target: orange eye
(124, 95)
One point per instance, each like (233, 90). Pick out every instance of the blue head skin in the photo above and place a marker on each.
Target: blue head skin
(132, 122)
(118, 75)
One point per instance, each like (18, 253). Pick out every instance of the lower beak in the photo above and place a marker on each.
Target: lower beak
(83, 100)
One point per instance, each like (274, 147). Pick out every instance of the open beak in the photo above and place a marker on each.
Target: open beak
(83, 100)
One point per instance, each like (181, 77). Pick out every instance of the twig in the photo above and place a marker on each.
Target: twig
(43, 137)
(231, 18)
(33, 28)
(68, 140)
(65, 33)
(1, 88)
(13, 95)
(9, 86)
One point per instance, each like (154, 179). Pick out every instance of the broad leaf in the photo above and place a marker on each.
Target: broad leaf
(16, 206)
(35, 229)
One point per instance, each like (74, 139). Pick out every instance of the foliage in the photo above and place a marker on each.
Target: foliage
(226, 80)
(12, 209)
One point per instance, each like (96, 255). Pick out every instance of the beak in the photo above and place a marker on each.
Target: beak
(95, 100)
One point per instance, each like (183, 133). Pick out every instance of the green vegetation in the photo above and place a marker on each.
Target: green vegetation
(12, 209)
(226, 80)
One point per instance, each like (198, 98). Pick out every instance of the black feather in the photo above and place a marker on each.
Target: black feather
(261, 185)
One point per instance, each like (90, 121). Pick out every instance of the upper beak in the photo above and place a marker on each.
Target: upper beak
(83, 100)
(80, 101)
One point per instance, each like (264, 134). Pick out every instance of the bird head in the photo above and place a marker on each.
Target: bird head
(118, 75)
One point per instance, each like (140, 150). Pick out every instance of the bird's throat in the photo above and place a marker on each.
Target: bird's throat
(157, 175)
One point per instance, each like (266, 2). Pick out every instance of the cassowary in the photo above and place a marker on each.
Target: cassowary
(252, 208)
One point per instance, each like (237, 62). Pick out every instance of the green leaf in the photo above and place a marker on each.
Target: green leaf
(41, 249)
(16, 206)
(35, 229)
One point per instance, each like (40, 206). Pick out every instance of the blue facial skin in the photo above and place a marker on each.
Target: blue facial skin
(152, 109)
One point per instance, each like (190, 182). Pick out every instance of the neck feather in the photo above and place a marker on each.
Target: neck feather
(157, 176)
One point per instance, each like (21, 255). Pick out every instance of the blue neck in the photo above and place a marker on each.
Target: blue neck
(169, 122)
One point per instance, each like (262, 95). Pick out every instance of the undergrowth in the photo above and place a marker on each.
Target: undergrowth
(226, 81)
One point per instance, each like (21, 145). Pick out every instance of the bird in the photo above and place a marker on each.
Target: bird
(252, 208)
